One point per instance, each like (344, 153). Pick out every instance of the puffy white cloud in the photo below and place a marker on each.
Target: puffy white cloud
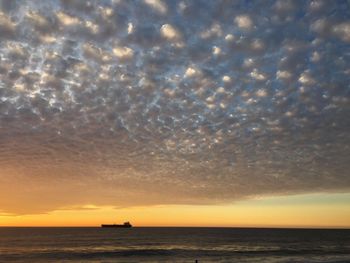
(229, 37)
(157, 5)
(255, 74)
(316, 5)
(67, 20)
(257, 44)
(284, 6)
(191, 71)
(306, 79)
(316, 57)
(244, 22)
(248, 62)
(6, 24)
(170, 32)
(283, 74)
(38, 20)
(123, 52)
(328, 28)
(226, 79)
(342, 31)
(214, 31)
(130, 28)
(216, 50)
(261, 93)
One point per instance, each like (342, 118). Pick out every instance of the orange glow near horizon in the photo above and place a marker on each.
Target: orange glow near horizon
(270, 212)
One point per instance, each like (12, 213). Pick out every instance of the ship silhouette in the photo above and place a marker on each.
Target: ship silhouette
(125, 225)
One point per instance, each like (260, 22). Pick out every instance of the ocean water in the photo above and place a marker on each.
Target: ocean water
(141, 244)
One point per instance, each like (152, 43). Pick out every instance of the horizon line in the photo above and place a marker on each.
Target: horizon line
(238, 227)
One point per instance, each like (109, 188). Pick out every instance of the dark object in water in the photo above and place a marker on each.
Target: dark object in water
(125, 225)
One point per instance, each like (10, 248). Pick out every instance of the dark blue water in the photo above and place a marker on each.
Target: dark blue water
(173, 245)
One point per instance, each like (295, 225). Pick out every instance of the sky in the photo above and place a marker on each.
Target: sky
(143, 109)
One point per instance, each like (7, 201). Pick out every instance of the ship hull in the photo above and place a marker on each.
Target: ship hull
(117, 226)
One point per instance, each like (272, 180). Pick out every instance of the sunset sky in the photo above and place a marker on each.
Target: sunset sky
(175, 113)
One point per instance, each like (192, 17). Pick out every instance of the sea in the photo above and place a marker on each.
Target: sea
(172, 244)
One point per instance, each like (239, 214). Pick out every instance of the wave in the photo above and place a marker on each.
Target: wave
(122, 253)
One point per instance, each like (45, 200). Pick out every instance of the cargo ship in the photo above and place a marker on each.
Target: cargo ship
(125, 225)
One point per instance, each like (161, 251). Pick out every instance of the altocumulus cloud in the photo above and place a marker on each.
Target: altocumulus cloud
(163, 102)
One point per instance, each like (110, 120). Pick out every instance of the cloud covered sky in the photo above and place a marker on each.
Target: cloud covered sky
(171, 102)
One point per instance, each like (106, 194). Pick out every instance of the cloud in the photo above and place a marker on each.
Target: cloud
(154, 102)
(244, 22)
(123, 52)
(342, 31)
(157, 5)
(169, 32)
(329, 28)
(7, 26)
